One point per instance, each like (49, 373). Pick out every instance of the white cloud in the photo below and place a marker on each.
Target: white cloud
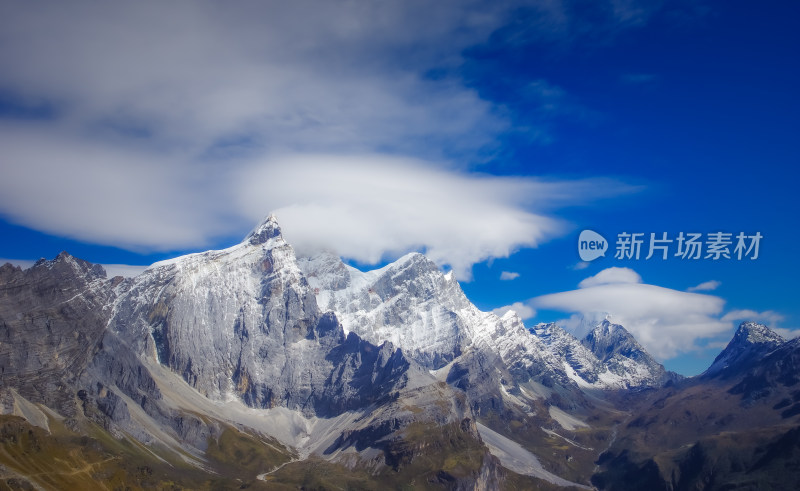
(170, 126)
(524, 311)
(787, 333)
(307, 75)
(370, 207)
(767, 317)
(610, 276)
(509, 275)
(65, 185)
(705, 286)
(580, 265)
(665, 321)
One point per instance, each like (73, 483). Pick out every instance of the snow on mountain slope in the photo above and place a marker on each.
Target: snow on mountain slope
(409, 303)
(412, 304)
(242, 323)
(624, 359)
(230, 336)
(749, 344)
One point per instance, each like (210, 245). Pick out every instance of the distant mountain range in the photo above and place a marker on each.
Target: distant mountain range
(251, 368)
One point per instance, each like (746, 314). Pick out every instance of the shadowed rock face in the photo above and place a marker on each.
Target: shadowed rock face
(731, 427)
(750, 343)
(51, 318)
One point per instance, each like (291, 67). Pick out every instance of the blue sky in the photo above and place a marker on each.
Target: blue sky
(488, 134)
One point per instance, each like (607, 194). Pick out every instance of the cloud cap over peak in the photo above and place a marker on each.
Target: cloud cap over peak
(372, 207)
(173, 126)
(666, 322)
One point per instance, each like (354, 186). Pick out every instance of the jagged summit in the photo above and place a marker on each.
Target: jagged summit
(264, 231)
(65, 261)
(607, 339)
(608, 357)
(408, 302)
(416, 306)
(750, 342)
(754, 333)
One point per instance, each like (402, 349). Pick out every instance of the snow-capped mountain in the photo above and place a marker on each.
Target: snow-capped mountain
(243, 323)
(623, 356)
(736, 426)
(412, 304)
(409, 303)
(750, 343)
(196, 344)
(248, 364)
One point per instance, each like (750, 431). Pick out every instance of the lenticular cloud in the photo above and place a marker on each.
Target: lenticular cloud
(665, 321)
(370, 208)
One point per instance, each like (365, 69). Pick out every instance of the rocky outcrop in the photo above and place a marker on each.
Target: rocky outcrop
(52, 316)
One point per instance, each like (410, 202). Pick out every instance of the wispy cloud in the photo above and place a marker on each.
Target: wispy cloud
(580, 265)
(169, 126)
(509, 275)
(705, 286)
(523, 310)
(610, 276)
(769, 318)
(787, 333)
(368, 207)
(638, 78)
(665, 321)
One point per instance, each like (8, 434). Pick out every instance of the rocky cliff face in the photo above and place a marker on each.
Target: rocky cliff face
(51, 317)
(243, 323)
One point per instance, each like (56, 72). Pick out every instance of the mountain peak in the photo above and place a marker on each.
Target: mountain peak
(754, 333)
(750, 343)
(607, 339)
(266, 230)
(607, 328)
(414, 258)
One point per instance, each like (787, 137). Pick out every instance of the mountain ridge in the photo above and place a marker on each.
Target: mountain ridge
(425, 312)
(391, 372)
